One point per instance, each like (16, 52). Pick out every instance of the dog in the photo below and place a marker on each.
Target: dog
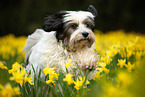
(65, 34)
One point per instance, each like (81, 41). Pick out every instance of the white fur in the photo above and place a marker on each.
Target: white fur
(77, 16)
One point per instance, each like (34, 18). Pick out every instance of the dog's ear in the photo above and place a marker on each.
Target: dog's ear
(93, 10)
(55, 23)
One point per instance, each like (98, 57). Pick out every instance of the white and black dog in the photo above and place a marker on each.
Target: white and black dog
(65, 34)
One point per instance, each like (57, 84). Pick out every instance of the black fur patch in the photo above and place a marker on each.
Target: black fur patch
(93, 10)
(55, 23)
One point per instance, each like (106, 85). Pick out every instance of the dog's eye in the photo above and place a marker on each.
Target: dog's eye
(87, 25)
(74, 26)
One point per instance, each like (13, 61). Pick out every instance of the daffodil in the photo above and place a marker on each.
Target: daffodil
(130, 45)
(50, 81)
(103, 67)
(10, 45)
(52, 74)
(87, 82)
(52, 77)
(106, 59)
(8, 91)
(69, 63)
(99, 69)
(102, 64)
(106, 70)
(48, 70)
(68, 79)
(19, 74)
(18, 77)
(2, 66)
(138, 55)
(28, 79)
(121, 62)
(78, 84)
(109, 53)
(97, 75)
(114, 49)
(130, 66)
(122, 51)
(129, 53)
(15, 67)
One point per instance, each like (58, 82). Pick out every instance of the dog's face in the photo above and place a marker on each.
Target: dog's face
(79, 27)
(73, 28)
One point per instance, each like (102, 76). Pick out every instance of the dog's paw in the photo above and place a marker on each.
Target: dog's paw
(87, 66)
(90, 67)
(87, 59)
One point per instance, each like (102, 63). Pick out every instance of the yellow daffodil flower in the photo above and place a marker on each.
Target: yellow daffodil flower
(19, 74)
(103, 68)
(52, 74)
(48, 70)
(2, 66)
(106, 59)
(8, 91)
(106, 70)
(97, 75)
(130, 66)
(121, 62)
(15, 67)
(102, 64)
(138, 55)
(52, 77)
(109, 53)
(129, 53)
(87, 82)
(50, 81)
(114, 49)
(10, 45)
(78, 84)
(68, 79)
(28, 79)
(69, 63)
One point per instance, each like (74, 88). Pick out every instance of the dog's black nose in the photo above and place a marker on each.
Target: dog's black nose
(85, 34)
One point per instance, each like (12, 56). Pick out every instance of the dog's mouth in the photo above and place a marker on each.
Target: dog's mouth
(81, 43)
(84, 39)
(84, 42)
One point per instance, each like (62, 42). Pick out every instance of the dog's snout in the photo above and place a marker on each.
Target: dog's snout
(85, 34)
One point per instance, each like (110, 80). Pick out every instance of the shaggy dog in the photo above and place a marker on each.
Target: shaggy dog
(65, 34)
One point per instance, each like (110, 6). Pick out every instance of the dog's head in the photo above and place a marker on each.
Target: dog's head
(73, 28)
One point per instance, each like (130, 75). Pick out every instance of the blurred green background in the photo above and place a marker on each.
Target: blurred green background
(22, 17)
